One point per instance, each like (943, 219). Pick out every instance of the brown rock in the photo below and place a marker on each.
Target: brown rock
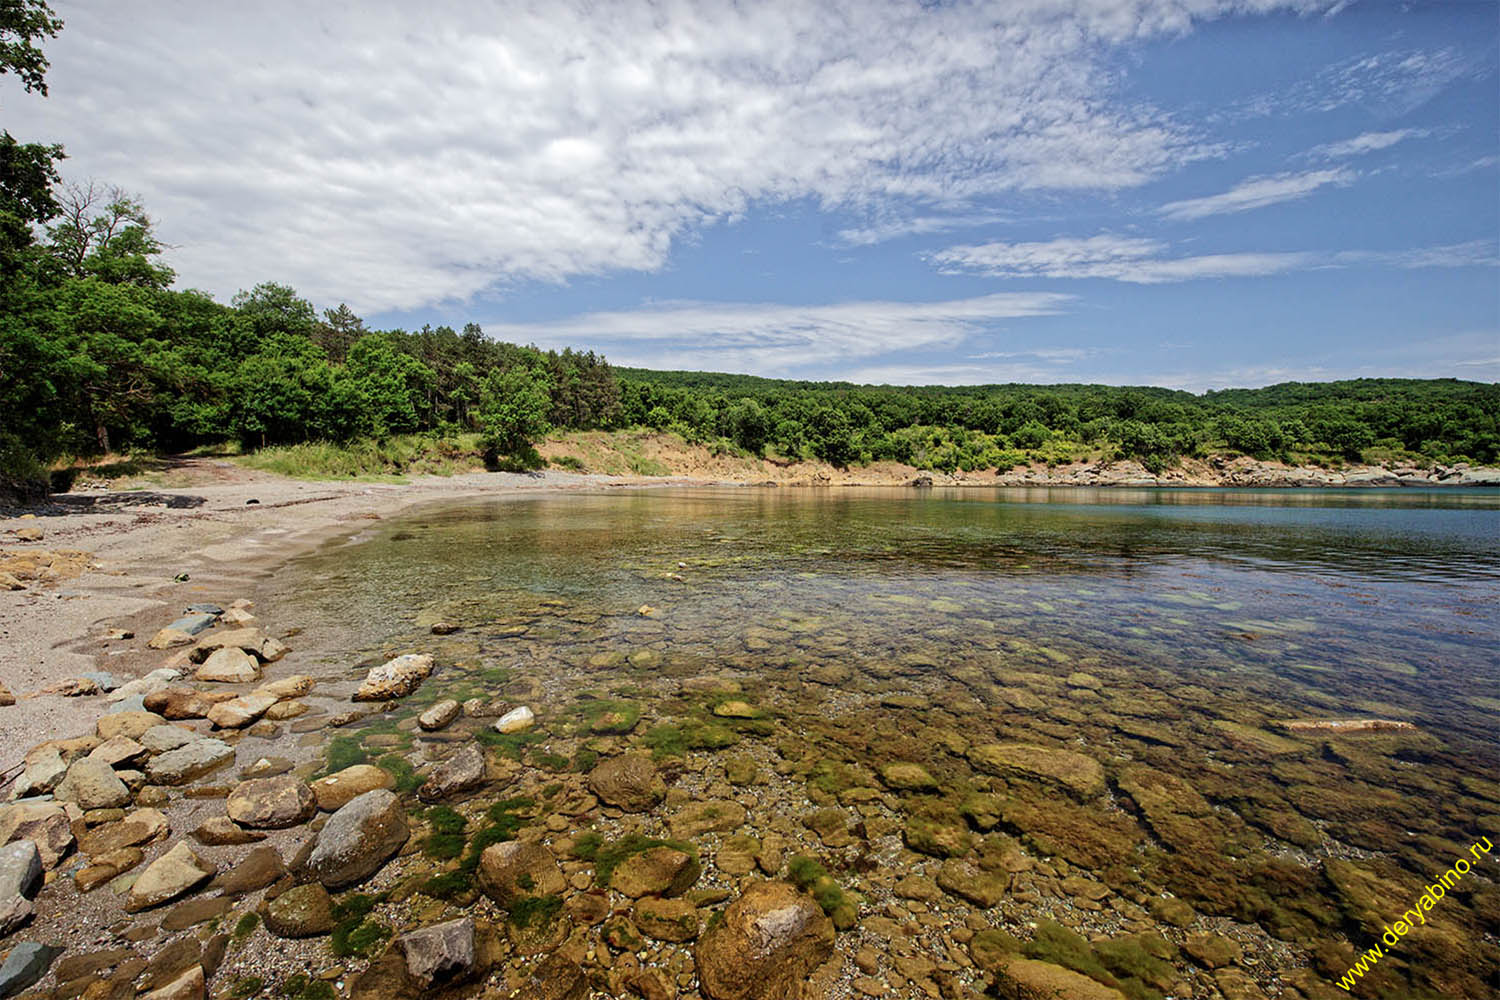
(659, 871)
(169, 876)
(516, 869)
(132, 725)
(261, 867)
(396, 678)
(229, 665)
(221, 831)
(303, 911)
(768, 942)
(666, 919)
(187, 986)
(1027, 979)
(271, 803)
(194, 912)
(628, 782)
(178, 703)
(338, 788)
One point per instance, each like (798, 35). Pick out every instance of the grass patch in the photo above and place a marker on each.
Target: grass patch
(401, 769)
(344, 751)
(246, 925)
(811, 877)
(512, 745)
(446, 841)
(246, 986)
(611, 717)
(354, 935)
(668, 740)
(304, 987)
(535, 911)
(502, 822)
(393, 457)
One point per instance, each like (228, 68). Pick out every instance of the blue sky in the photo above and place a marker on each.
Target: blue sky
(1180, 192)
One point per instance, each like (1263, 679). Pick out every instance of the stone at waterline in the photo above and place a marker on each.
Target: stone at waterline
(517, 720)
(248, 639)
(92, 784)
(178, 871)
(396, 678)
(139, 827)
(25, 966)
(358, 839)
(20, 878)
(230, 665)
(271, 803)
(335, 791)
(194, 760)
(439, 716)
(443, 953)
(767, 943)
(461, 772)
(119, 752)
(294, 686)
(303, 911)
(1027, 979)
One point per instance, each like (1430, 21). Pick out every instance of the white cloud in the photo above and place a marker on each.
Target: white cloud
(1142, 261)
(776, 339)
(398, 155)
(1367, 142)
(1258, 192)
(921, 225)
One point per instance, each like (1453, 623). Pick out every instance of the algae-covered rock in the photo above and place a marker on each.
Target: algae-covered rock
(1077, 774)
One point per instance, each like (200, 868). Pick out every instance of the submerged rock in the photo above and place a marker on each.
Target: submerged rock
(764, 948)
(1077, 774)
(443, 953)
(659, 871)
(517, 720)
(396, 678)
(630, 782)
(459, 773)
(1027, 979)
(516, 869)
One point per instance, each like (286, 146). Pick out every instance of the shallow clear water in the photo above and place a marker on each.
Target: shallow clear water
(1166, 635)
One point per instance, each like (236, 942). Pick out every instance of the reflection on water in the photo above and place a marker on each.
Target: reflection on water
(1166, 634)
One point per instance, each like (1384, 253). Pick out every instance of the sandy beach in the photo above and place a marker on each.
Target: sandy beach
(140, 542)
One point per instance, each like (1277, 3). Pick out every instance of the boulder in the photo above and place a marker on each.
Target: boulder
(177, 703)
(358, 838)
(440, 954)
(188, 985)
(104, 867)
(440, 716)
(248, 640)
(237, 713)
(907, 777)
(132, 725)
(968, 881)
(334, 791)
(395, 679)
(176, 872)
(271, 803)
(92, 784)
(20, 878)
(176, 767)
(304, 911)
(708, 816)
(42, 774)
(160, 739)
(258, 869)
(140, 827)
(629, 782)
(221, 831)
(25, 966)
(459, 773)
(1028, 979)
(120, 751)
(766, 945)
(516, 869)
(1075, 773)
(156, 680)
(230, 665)
(48, 825)
(517, 720)
(659, 871)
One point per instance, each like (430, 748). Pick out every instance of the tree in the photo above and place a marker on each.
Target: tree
(338, 331)
(749, 425)
(24, 23)
(513, 414)
(105, 233)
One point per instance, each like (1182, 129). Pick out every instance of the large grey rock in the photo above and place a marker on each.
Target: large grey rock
(160, 739)
(174, 873)
(156, 680)
(26, 964)
(41, 776)
(443, 953)
(20, 878)
(358, 839)
(230, 665)
(459, 773)
(176, 767)
(271, 803)
(92, 784)
(396, 678)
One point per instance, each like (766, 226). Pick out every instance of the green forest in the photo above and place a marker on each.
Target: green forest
(100, 355)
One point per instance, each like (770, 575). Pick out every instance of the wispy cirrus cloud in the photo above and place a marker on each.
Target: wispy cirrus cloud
(1366, 142)
(920, 225)
(778, 339)
(1146, 262)
(1258, 192)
